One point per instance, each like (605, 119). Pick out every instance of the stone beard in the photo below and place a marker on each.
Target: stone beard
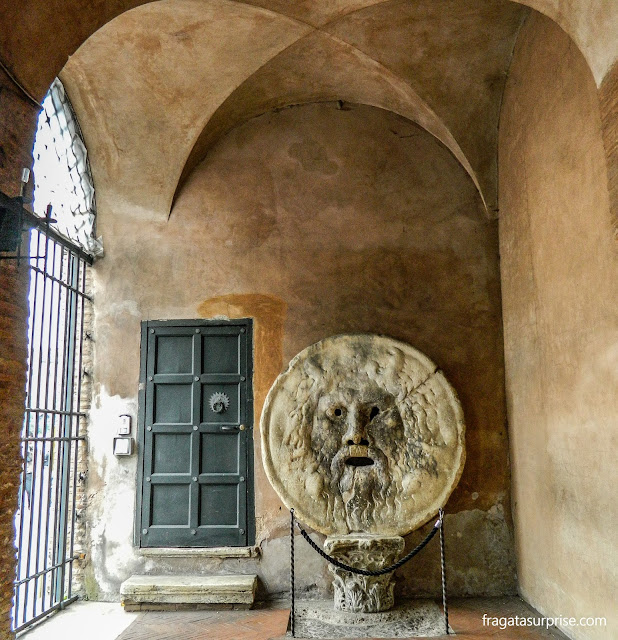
(358, 436)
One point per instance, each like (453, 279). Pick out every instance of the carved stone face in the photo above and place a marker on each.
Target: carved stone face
(361, 434)
(355, 433)
(360, 424)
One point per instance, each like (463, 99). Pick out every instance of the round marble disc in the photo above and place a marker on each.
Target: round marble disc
(362, 433)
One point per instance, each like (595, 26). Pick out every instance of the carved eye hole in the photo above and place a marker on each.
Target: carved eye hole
(374, 412)
(337, 412)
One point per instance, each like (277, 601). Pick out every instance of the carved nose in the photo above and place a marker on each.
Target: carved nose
(357, 425)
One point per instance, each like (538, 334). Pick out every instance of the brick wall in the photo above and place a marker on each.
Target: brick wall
(80, 547)
(17, 125)
(13, 341)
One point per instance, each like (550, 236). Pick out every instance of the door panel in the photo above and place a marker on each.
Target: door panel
(196, 440)
(228, 446)
(172, 403)
(218, 505)
(174, 354)
(221, 354)
(171, 453)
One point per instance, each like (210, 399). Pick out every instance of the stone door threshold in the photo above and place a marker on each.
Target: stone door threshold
(201, 552)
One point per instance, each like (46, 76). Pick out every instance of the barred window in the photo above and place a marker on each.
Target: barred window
(62, 174)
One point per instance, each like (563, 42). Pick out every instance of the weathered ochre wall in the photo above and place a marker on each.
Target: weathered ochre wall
(560, 293)
(315, 220)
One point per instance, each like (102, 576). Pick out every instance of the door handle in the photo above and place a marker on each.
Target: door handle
(228, 428)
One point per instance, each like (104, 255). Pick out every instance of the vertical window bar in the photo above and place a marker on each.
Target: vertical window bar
(25, 496)
(59, 370)
(36, 486)
(54, 508)
(62, 364)
(22, 497)
(55, 326)
(48, 432)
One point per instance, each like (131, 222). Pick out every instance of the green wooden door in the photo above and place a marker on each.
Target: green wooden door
(196, 434)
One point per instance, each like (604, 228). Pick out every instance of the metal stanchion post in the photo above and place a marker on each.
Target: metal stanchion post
(292, 571)
(443, 568)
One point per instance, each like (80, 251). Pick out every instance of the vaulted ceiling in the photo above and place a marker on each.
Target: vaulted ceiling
(157, 83)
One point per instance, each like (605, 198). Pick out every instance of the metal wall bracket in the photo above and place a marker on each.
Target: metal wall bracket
(14, 220)
(11, 222)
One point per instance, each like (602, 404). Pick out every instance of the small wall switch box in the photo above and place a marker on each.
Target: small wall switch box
(124, 428)
(123, 446)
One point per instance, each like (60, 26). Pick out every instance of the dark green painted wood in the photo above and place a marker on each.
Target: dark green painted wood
(196, 464)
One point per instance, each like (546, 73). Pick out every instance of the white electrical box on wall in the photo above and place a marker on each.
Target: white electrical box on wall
(124, 427)
(123, 446)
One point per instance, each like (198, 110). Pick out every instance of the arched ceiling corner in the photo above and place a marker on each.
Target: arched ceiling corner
(219, 126)
(142, 82)
(319, 67)
(592, 26)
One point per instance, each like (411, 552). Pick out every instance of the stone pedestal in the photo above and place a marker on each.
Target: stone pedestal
(363, 594)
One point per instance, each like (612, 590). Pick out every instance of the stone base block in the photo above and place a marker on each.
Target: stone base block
(140, 593)
(414, 619)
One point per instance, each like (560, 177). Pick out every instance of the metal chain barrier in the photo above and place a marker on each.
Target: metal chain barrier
(380, 572)
(439, 525)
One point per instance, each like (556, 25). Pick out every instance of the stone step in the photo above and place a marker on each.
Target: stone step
(161, 592)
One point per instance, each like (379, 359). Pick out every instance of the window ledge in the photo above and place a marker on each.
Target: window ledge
(201, 552)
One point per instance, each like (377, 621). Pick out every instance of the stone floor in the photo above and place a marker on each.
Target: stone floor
(100, 621)
(84, 620)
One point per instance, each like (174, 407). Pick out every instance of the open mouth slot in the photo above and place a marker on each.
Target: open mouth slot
(359, 461)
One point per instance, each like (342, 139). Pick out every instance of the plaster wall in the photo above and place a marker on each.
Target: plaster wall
(559, 287)
(314, 220)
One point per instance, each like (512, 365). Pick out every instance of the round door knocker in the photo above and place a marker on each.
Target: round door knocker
(219, 402)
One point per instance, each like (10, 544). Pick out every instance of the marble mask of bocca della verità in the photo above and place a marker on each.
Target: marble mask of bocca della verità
(363, 433)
